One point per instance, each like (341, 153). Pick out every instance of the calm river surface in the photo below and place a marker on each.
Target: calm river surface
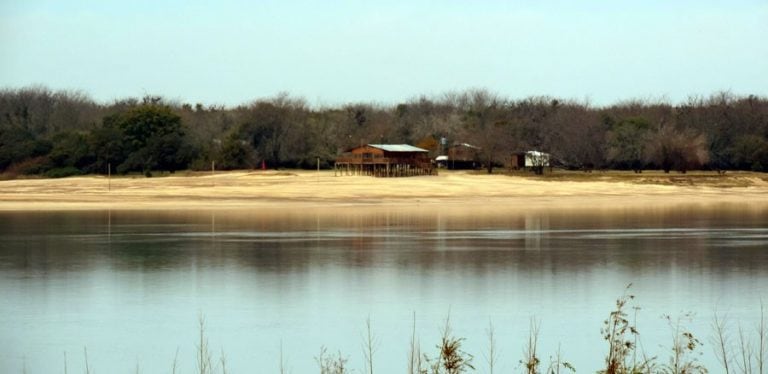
(131, 286)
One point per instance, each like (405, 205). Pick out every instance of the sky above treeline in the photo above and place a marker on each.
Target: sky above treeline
(330, 52)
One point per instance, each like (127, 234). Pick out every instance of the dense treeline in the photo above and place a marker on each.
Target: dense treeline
(59, 133)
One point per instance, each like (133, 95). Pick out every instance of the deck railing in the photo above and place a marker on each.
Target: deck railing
(384, 166)
(383, 160)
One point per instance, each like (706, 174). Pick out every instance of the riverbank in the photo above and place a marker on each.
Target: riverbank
(310, 189)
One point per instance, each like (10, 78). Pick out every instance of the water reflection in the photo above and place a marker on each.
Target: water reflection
(118, 278)
(284, 240)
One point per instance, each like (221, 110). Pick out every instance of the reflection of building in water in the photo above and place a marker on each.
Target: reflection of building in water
(213, 225)
(536, 227)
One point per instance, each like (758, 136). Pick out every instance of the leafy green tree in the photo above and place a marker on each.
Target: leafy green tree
(750, 152)
(108, 147)
(71, 150)
(627, 141)
(145, 122)
(18, 144)
(236, 154)
(153, 138)
(169, 152)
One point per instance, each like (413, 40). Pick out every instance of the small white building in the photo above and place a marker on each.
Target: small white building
(530, 159)
(536, 158)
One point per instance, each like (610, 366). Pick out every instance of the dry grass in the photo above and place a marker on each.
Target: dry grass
(654, 177)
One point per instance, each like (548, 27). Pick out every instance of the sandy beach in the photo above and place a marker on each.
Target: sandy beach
(310, 189)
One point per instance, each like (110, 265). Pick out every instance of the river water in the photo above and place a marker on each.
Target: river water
(128, 289)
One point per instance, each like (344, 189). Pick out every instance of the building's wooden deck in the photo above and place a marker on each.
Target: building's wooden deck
(384, 166)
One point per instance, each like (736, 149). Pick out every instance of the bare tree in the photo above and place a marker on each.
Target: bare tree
(486, 126)
(681, 150)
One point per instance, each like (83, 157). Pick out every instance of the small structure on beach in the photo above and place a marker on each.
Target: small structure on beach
(385, 160)
(460, 156)
(531, 160)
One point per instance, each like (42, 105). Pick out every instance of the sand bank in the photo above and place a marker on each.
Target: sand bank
(306, 189)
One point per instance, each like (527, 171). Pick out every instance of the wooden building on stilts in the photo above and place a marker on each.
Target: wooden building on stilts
(385, 160)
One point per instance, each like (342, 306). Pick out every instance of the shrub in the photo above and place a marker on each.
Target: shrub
(63, 172)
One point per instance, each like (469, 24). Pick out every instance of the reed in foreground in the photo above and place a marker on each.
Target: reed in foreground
(739, 349)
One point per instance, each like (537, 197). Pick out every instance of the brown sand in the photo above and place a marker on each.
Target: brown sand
(307, 189)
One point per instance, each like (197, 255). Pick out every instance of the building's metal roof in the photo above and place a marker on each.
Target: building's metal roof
(537, 154)
(398, 148)
(465, 145)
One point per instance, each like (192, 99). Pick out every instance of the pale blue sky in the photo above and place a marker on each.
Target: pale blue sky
(331, 52)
